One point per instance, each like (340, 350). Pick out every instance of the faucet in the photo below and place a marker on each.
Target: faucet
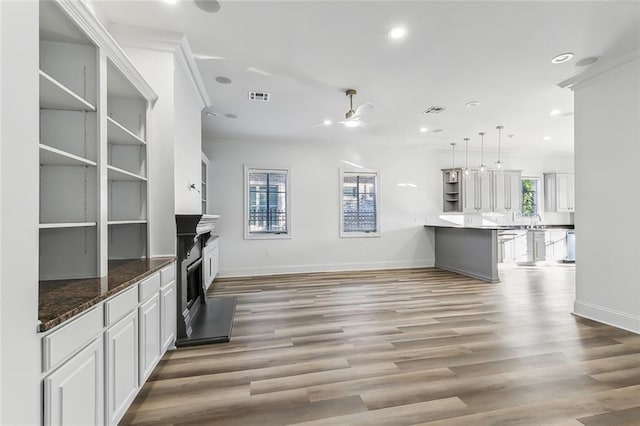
(534, 221)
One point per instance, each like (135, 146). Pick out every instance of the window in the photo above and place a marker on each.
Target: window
(530, 196)
(267, 203)
(359, 204)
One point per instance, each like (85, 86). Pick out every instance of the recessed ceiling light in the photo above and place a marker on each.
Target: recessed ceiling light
(562, 58)
(351, 123)
(231, 116)
(547, 138)
(424, 129)
(587, 61)
(555, 112)
(223, 80)
(327, 122)
(212, 114)
(397, 33)
(170, 1)
(473, 104)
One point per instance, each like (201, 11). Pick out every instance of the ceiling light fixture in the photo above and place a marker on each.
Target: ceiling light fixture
(212, 114)
(547, 138)
(555, 112)
(466, 150)
(327, 122)
(499, 163)
(562, 58)
(170, 1)
(424, 129)
(473, 104)
(397, 33)
(482, 167)
(351, 123)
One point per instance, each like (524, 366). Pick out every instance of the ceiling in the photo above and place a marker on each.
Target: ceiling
(306, 53)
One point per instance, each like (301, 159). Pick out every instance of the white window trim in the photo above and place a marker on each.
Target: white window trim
(245, 223)
(344, 234)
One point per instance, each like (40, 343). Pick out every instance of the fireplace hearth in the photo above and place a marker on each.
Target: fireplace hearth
(201, 319)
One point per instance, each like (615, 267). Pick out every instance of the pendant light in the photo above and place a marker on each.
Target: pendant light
(453, 174)
(499, 163)
(466, 150)
(482, 167)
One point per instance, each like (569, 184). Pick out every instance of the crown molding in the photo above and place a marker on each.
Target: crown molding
(598, 71)
(84, 18)
(166, 41)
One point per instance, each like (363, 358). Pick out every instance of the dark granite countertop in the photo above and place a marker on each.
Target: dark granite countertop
(541, 227)
(61, 300)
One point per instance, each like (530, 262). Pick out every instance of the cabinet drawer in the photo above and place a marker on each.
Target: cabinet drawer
(70, 338)
(120, 305)
(168, 274)
(149, 287)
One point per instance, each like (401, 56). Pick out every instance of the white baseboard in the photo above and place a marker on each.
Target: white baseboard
(623, 320)
(335, 267)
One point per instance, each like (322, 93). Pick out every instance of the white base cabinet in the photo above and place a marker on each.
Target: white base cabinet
(168, 303)
(121, 366)
(149, 314)
(73, 394)
(110, 351)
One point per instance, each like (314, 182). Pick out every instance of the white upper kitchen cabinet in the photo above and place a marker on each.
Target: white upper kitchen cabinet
(559, 192)
(478, 191)
(507, 190)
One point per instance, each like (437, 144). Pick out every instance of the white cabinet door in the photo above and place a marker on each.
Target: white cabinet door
(73, 393)
(121, 366)
(501, 193)
(149, 314)
(563, 189)
(550, 192)
(514, 191)
(485, 184)
(168, 315)
(469, 183)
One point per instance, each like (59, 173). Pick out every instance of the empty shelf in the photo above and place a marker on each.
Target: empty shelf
(67, 225)
(118, 134)
(54, 95)
(50, 156)
(115, 173)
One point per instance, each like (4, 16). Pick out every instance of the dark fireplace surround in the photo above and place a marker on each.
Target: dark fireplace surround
(200, 319)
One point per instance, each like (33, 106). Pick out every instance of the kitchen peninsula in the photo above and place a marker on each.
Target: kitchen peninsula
(472, 250)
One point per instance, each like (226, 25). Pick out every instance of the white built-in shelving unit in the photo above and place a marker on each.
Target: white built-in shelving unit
(94, 110)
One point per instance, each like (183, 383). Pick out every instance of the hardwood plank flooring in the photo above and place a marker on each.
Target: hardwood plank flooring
(401, 347)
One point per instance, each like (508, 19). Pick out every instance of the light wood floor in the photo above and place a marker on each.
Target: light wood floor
(420, 346)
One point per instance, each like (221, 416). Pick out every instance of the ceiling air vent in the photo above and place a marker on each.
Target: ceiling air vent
(259, 96)
(434, 110)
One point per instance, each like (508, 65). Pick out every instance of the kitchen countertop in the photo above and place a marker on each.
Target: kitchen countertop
(541, 227)
(61, 300)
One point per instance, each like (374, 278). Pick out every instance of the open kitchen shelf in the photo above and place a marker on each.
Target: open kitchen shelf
(67, 225)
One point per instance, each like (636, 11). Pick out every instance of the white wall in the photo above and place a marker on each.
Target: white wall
(188, 144)
(607, 154)
(157, 68)
(315, 244)
(20, 346)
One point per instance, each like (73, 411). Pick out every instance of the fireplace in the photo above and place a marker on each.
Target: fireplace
(201, 319)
